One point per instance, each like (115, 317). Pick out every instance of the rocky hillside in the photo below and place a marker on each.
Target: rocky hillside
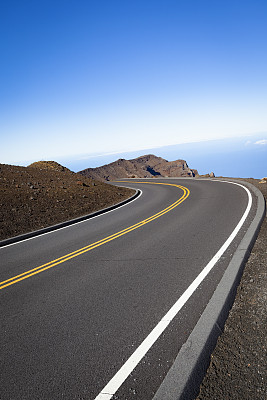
(148, 166)
(46, 193)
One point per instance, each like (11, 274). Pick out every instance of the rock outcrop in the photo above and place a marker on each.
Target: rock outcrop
(147, 166)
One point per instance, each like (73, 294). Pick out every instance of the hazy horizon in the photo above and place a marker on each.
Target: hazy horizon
(242, 157)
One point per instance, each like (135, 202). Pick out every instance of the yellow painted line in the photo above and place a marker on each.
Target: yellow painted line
(60, 260)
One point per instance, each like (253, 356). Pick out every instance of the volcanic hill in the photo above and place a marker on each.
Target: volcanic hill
(147, 166)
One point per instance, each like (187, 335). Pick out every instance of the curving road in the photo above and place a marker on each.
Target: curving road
(78, 302)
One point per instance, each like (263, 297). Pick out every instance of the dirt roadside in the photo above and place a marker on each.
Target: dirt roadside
(32, 198)
(238, 366)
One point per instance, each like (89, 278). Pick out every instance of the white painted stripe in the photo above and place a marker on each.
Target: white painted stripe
(114, 384)
(74, 223)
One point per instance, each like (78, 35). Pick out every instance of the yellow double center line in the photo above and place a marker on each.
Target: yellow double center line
(51, 264)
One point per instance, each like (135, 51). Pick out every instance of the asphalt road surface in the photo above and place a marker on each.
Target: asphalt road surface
(78, 302)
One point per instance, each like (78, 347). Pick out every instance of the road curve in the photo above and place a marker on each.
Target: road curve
(77, 303)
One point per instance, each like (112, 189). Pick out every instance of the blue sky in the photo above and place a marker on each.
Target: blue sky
(93, 77)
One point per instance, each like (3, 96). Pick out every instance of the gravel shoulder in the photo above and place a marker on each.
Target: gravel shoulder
(238, 367)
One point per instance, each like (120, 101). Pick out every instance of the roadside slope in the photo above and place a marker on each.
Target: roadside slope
(41, 195)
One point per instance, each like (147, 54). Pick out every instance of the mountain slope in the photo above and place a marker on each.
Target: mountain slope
(147, 166)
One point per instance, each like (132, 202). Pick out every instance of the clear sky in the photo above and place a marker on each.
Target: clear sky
(103, 76)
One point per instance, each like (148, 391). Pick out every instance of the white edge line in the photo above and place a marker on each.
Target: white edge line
(114, 384)
(75, 223)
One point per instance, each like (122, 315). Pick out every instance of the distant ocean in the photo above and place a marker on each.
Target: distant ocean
(244, 157)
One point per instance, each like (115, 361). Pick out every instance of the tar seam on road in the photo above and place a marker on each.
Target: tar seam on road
(60, 260)
(119, 378)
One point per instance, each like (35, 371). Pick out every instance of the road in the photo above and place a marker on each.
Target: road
(77, 303)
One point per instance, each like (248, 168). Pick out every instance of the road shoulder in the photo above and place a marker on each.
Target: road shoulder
(184, 378)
